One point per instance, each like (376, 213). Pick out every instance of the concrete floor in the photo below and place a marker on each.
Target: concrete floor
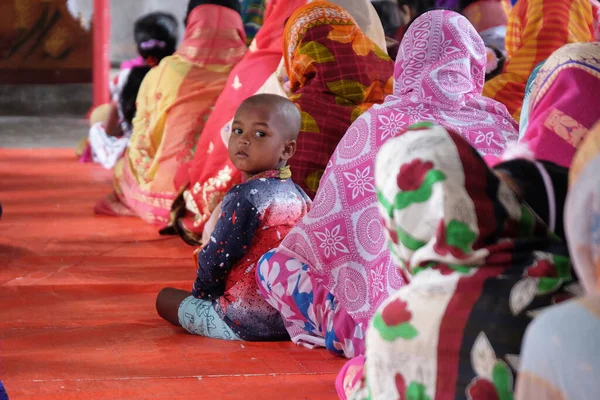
(41, 132)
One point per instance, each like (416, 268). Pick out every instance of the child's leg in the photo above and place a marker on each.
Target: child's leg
(167, 303)
(199, 317)
(196, 316)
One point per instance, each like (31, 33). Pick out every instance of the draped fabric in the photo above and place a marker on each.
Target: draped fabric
(439, 77)
(174, 102)
(253, 15)
(524, 121)
(340, 242)
(480, 266)
(336, 73)
(571, 329)
(536, 28)
(211, 173)
(365, 16)
(563, 104)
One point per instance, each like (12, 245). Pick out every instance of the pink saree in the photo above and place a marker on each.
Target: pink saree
(562, 106)
(340, 243)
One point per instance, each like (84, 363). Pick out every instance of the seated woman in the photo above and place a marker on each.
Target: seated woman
(561, 352)
(562, 105)
(480, 267)
(210, 174)
(336, 73)
(337, 269)
(156, 37)
(536, 28)
(174, 102)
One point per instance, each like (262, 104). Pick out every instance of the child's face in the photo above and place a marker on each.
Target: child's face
(256, 143)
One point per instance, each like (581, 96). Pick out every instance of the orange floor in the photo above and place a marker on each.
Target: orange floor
(77, 317)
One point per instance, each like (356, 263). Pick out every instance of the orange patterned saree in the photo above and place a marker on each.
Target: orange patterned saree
(336, 73)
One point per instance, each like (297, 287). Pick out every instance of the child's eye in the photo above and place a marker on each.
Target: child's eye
(237, 131)
(260, 134)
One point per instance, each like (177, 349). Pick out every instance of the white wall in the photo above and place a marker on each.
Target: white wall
(123, 14)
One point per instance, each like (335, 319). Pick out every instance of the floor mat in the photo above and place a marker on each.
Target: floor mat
(77, 291)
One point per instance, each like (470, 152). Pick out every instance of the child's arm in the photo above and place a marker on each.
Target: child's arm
(228, 243)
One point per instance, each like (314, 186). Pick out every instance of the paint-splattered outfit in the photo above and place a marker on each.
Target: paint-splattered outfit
(255, 217)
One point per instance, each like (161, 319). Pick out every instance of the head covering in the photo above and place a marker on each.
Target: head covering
(366, 18)
(582, 213)
(536, 28)
(480, 264)
(544, 187)
(562, 105)
(439, 77)
(336, 73)
(174, 102)
(253, 14)
(341, 238)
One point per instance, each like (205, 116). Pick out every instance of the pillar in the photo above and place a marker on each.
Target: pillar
(101, 51)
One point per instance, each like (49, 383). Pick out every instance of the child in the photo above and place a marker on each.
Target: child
(156, 36)
(255, 216)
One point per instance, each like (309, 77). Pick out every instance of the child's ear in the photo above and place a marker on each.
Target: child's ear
(289, 149)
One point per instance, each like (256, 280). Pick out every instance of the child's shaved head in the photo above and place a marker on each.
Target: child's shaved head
(286, 117)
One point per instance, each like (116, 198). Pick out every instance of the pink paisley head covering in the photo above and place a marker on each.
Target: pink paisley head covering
(440, 73)
(342, 239)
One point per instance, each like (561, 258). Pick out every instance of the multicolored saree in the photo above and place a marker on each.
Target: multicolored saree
(336, 73)
(536, 28)
(563, 104)
(480, 264)
(174, 102)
